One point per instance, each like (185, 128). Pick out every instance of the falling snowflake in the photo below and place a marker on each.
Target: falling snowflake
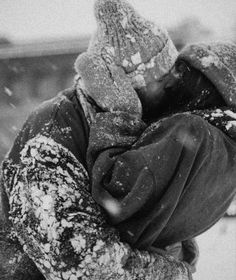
(7, 91)
(112, 206)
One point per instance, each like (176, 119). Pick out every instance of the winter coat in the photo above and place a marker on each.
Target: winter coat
(59, 225)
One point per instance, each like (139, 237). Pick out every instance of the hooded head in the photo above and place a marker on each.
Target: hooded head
(217, 61)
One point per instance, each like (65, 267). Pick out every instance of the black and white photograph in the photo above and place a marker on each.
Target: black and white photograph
(117, 140)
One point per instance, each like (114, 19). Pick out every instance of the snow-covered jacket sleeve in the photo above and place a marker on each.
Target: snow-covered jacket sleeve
(61, 227)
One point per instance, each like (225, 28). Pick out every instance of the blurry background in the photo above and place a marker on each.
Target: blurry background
(39, 41)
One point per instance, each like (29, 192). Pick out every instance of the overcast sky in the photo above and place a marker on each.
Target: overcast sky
(23, 20)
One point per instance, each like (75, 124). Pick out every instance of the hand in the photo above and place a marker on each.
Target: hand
(175, 250)
(107, 84)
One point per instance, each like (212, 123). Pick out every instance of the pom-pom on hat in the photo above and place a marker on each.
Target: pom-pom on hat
(218, 62)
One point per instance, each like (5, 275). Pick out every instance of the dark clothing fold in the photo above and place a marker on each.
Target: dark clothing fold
(172, 184)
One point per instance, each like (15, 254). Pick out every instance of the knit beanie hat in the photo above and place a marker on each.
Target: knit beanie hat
(143, 50)
(218, 62)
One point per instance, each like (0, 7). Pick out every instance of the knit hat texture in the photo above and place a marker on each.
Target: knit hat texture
(142, 49)
(218, 62)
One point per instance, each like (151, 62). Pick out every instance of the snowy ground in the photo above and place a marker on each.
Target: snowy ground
(218, 252)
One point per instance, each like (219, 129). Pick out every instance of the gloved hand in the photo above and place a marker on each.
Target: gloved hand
(187, 251)
(107, 84)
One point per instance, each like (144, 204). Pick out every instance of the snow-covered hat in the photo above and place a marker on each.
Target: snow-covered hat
(218, 62)
(143, 49)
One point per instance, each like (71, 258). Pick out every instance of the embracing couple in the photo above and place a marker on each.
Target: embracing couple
(113, 178)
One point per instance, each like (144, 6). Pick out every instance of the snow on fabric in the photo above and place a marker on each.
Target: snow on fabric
(209, 60)
(60, 226)
(217, 61)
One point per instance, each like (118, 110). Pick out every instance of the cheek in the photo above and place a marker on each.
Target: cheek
(155, 91)
(152, 94)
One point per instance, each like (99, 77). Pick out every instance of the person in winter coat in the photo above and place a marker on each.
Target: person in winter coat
(120, 71)
(160, 178)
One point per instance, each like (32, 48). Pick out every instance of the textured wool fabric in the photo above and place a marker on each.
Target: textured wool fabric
(218, 62)
(126, 53)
